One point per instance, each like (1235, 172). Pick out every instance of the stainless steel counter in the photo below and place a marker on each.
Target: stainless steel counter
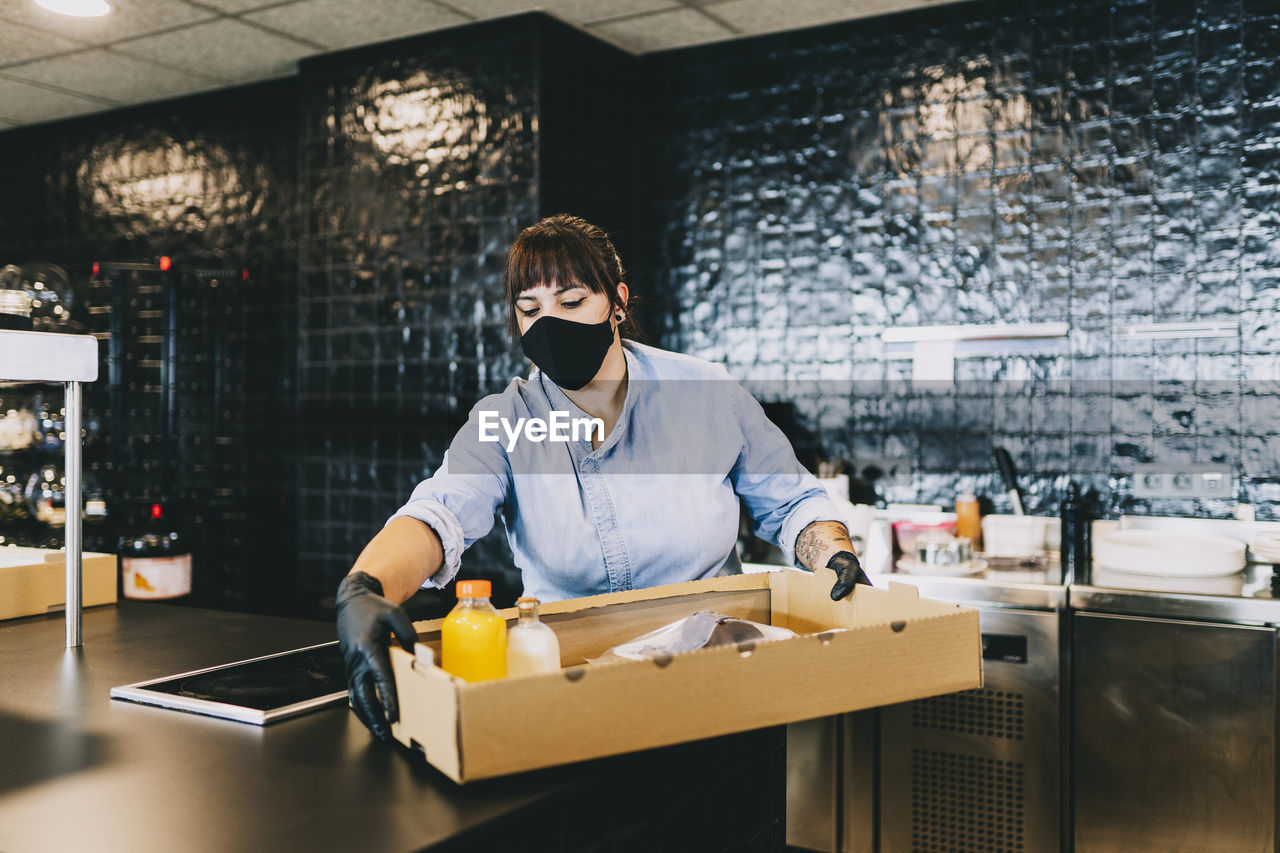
(1245, 598)
(1031, 590)
(1132, 659)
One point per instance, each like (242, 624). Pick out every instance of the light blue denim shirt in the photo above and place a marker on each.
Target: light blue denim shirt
(656, 503)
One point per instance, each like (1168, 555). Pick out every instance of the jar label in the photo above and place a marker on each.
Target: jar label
(156, 577)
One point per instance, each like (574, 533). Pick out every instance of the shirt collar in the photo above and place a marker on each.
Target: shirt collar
(559, 400)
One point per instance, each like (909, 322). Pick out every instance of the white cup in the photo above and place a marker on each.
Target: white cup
(859, 519)
(878, 556)
(1015, 535)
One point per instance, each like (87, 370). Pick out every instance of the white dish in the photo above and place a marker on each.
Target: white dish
(1228, 585)
(910, 566)
(1167, 554)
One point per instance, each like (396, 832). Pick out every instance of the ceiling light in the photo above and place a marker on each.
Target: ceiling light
(77, 8)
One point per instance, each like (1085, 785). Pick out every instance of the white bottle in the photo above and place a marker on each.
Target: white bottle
(532, 646)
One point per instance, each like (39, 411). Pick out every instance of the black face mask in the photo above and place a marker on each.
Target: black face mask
(569, 353)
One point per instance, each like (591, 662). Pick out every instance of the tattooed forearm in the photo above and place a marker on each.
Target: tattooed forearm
(817, 542)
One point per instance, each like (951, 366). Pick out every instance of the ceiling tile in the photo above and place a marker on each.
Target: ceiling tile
(662, 30)
(127, 18)
(226, 49)
(237, 6)
(585, 11)
(573, 11)
(19, 43)
(495, 8)
(766, 16)
(106, 74)
(23, 103)
(342, 23)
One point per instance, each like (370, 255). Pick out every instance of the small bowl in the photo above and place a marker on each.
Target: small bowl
(906, 532)
(943, 549)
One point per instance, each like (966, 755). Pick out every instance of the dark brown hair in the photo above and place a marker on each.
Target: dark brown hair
(561, 249)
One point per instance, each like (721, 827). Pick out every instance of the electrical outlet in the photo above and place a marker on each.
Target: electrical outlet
(1181, 481)
(883, 471)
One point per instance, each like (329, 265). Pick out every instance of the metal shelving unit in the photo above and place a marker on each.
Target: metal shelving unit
(71, 360)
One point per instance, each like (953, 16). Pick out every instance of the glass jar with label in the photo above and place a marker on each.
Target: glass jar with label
(155, 562)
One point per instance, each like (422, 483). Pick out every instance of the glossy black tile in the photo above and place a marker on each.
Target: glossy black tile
(779, 201)
(1104, 165)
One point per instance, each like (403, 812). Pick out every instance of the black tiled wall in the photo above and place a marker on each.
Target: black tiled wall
(779, 201)
(1096, 163)
(421, 162)
(208, 181)
(419, 166)
(587, 105)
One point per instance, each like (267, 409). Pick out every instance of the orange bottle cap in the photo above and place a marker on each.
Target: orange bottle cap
(474, 589)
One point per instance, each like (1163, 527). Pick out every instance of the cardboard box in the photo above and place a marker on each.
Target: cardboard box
(34, 581)
(895, 647)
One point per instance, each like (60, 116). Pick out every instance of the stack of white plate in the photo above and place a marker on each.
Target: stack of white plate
(1169, 554)
(1227, 585)
(1266, 548)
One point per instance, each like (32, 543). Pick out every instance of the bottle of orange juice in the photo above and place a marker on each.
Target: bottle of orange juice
(969, 519)
(473, 638)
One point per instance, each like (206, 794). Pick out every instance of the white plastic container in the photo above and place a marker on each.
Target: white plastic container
(1019, 535)
(532, 647)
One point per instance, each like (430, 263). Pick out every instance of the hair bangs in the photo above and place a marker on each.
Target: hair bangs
(554, 257)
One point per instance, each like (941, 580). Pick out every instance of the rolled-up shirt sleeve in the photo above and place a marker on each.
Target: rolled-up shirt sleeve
(460, 499)
(781, 497)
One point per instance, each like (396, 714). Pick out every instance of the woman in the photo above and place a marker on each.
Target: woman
(648, 495)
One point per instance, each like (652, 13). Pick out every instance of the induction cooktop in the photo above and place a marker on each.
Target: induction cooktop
(258, 691)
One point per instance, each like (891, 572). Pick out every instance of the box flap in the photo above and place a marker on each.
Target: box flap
(671, 590)
(802, 602)
(436, 735)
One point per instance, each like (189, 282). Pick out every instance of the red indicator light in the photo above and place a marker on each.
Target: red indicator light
(165, 263)
(156, 511)
(95, 269)
(244, 274)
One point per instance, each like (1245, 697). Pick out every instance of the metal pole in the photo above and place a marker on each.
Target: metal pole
(74, 506)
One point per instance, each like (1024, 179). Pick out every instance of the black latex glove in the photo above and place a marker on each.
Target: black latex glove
(365, 622)
(848, 573)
